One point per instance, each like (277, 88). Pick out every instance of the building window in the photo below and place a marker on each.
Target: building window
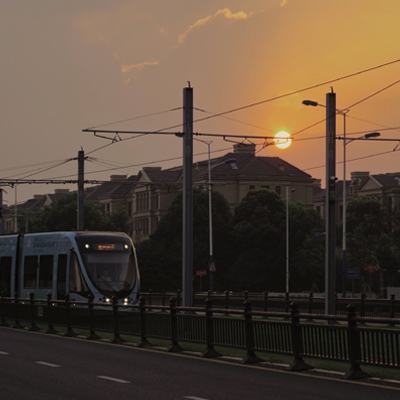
(278, 189)
(129, 208)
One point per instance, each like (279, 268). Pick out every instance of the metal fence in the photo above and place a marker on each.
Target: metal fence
(308, 303)
(347, 338)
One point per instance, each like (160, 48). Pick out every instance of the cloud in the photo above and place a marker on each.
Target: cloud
(130, 37)
(130, 68)
(225, 13)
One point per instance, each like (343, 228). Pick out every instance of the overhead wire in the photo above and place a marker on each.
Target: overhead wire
(38, 171)
(136, 118)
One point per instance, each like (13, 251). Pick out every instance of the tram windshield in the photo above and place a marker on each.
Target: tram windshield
(110, 265)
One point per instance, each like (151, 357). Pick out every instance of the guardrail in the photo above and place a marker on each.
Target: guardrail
(345, 338)
(308, 303)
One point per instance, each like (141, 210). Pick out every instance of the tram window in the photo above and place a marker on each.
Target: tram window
(30, 272)
(46, 272)
(77, 283)
(5, 275)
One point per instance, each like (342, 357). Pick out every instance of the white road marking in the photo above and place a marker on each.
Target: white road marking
(193, 398)
(3, 353)
(47, 364)
(108, 378)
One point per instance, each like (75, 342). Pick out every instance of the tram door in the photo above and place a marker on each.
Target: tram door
(62, 276)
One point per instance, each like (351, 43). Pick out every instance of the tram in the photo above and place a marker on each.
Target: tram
(103, 264)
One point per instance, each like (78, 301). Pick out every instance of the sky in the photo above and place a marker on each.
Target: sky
(68, 65)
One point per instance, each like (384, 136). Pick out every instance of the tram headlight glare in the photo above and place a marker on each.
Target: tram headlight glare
(107, 300)
(126, 301)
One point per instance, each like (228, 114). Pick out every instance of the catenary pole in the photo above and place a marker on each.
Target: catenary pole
(1, 211)
(330, 222)
(187, 228)
(81, 159)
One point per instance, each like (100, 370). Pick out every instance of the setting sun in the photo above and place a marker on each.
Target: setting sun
(282, 141)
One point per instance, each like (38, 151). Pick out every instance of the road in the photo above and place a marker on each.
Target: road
(38, 366)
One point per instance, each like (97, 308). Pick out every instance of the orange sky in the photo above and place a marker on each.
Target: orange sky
(70, 65)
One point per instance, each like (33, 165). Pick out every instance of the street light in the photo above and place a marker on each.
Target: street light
(345, 143)
(232, 163)
(287, 238)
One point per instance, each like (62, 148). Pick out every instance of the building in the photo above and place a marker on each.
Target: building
(384, 187)
(33, 205)
(153, 189)
(146, 196)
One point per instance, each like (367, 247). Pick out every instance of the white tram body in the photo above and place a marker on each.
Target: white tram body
(103, 264)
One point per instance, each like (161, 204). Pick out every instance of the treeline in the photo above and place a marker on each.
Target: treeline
(249, 245)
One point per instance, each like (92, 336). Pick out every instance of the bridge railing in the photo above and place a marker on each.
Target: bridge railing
(350, 338)
(312, 303)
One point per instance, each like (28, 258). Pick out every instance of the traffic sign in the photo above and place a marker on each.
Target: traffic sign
(211, 264)
(201, 272)
(353, 273)
(371, 267)
(319, 233)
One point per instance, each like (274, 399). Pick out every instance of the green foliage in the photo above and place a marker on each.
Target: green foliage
(259, 242)
(249, 248)
(62, 216)
(160, 256)
(259, 237)
(306, 254)
(369, 240)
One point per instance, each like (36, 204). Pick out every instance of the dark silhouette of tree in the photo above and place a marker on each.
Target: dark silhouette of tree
(259, 236)
(62, 216)
(259, 242)
(370, 241)
(160, 257)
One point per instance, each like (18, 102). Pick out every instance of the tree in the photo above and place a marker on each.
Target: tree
(62, 216)
(369, 239)
(259, 235)
(160, 257)
(306, 253)
(259, 242)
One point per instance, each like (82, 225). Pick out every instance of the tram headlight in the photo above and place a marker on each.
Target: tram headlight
(107, 300)
(126, 301)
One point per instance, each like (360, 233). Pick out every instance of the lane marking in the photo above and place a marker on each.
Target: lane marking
(3, 353)
(193, 398)
(47, 364)
(109, 378)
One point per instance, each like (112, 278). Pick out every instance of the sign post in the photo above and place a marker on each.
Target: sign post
(201, 273)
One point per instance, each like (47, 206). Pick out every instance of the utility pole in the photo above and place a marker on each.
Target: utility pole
(1, 211)
(330, 221)
(187, 236)
(81, 159)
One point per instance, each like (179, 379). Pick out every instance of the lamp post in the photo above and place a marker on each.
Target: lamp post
(345, 143)
(330, 222)
(287, 238)
(211, 261)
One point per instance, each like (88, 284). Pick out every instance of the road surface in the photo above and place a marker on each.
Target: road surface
(40, 366)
